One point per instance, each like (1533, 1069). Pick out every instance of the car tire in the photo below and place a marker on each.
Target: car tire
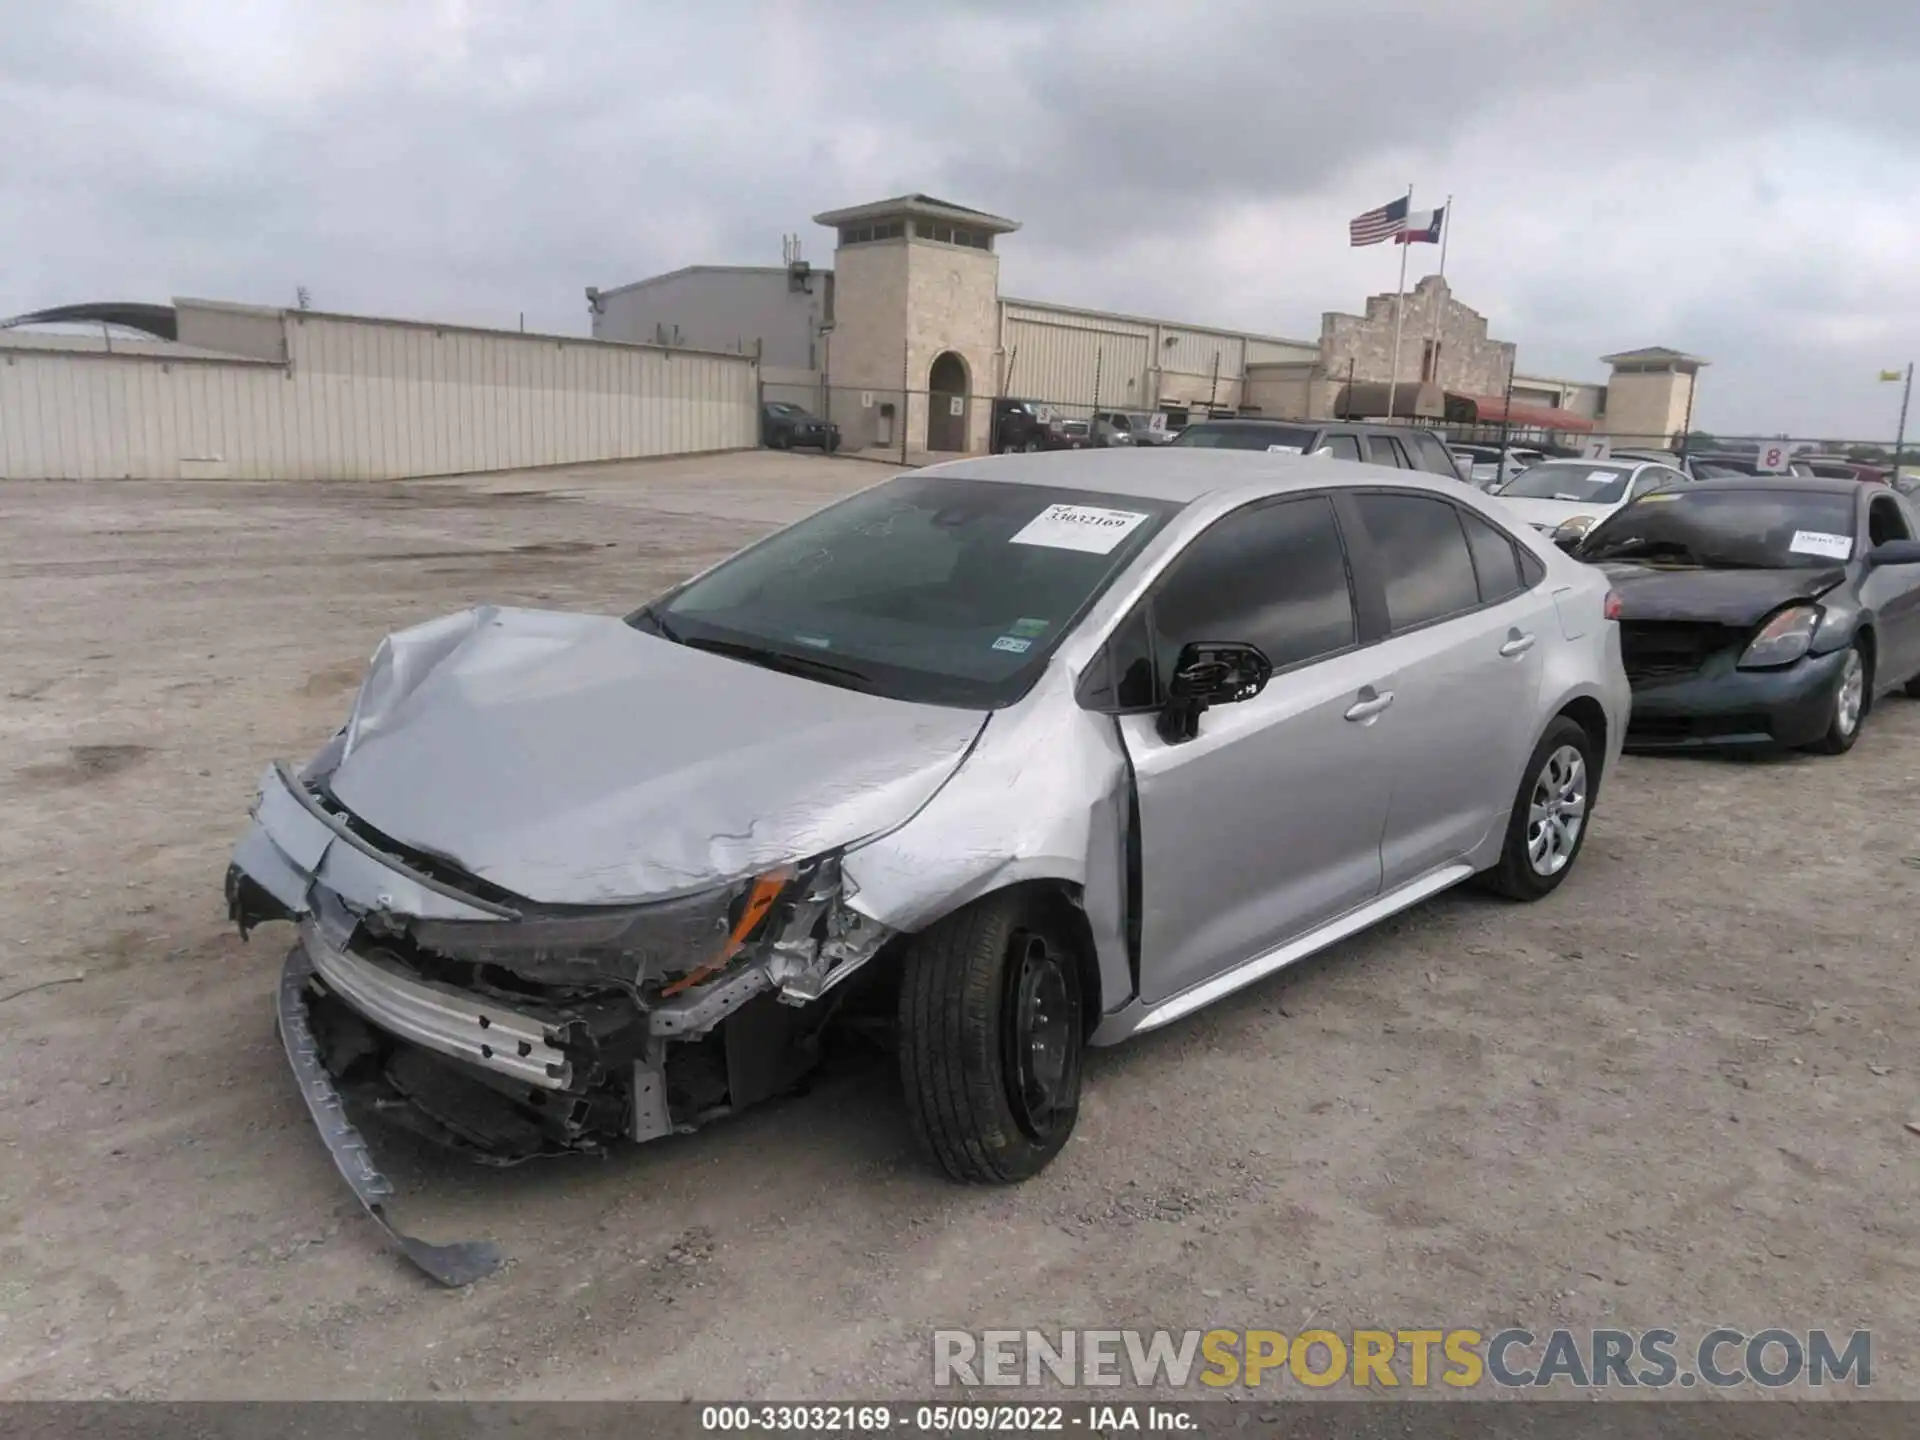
(991, 1038)
(1526, 870)
(1849, 710)
(1032, 447)
(780, 440)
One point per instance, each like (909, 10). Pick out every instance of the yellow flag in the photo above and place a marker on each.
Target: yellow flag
(1893, 374)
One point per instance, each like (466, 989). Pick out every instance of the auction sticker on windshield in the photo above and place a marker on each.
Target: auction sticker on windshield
(1283, 449)
(1821, 543)
(1079, 527)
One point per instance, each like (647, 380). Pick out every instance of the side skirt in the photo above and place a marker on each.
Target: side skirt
(1138, 1018)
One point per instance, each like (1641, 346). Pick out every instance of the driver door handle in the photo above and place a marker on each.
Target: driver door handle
(1517, 644)
(1369, 705)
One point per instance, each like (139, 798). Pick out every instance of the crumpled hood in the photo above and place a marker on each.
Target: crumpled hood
(1720, 597)
(572, 759)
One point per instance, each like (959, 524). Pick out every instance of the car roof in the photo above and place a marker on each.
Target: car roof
(1306, 424)
(1180, 476)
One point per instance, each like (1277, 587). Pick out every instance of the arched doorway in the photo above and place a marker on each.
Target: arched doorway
(947, 403)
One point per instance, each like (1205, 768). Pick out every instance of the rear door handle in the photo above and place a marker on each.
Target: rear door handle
(1369, 705)
(1517, 644)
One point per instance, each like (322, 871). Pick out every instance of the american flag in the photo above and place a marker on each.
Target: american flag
(1377, 226)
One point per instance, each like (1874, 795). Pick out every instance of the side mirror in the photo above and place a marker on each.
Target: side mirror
(1209, 673)
(1895, 552)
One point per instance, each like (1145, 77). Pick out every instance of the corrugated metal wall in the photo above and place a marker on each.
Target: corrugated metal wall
(1052, 354)
(1060, 358)
(364, 399)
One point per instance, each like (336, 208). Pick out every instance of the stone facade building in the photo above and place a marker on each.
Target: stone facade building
(907, 339)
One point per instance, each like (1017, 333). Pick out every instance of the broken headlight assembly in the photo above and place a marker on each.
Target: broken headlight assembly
(791, 921)
(1784, 639)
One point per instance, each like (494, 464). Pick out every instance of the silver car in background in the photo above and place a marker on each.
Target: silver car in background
(1566, 498)
(1009, 757)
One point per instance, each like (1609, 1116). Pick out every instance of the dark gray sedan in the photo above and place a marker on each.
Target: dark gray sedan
(1763, 612)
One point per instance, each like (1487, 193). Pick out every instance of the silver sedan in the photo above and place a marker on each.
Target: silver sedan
(1003, 757)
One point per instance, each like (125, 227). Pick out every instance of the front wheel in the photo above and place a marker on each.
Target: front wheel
(1032, 447)
(1849, 706)
(991, 1038)
(1548, 824)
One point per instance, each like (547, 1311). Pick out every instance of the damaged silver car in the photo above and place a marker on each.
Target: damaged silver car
(1008, 757)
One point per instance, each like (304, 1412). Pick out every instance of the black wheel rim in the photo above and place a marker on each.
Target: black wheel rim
(1042, 1032)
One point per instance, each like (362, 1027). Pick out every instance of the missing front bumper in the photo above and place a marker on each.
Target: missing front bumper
(451, 1265)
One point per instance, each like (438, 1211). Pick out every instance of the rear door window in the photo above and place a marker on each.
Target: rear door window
(1431, 453)
(1421, 551)
(1385, 450)
(1342, 447)
(1495, 562)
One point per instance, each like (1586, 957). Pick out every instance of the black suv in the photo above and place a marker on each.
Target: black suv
(784, 425)
(1029, 425)
(1403, 447)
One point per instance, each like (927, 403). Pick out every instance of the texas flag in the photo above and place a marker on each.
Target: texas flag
(1423, 227)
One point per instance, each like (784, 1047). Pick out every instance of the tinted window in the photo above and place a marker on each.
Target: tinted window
(1432, 454)
(1494, 561)
(1342, 447)
(1385, 450)
(1274, 576)
(1422, 555)
(1885, 522)
(928, 588)
(1729, 529)
(1244, 435)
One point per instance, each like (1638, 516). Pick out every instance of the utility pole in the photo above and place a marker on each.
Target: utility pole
(906, 396)
(1093, 420)
(1506, 418)
(1686, 433)
(1900, 439)
(1346, 409)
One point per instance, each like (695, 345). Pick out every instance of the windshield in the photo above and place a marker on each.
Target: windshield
(926, 588)
(1573, 480)
(1227, 435)
(1729, 529)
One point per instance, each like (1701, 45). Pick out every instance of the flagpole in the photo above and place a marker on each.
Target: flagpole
(1399, 307)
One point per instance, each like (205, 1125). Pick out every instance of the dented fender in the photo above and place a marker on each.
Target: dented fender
(1045, 794)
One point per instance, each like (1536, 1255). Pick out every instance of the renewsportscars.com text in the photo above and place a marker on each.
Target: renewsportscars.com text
(1387, 1360)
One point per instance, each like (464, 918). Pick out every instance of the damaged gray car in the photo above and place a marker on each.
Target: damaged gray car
(1003, 757)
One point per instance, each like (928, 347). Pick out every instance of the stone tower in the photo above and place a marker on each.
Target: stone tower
(916, 302)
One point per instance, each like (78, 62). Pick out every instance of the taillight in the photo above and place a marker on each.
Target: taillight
(1611, 609)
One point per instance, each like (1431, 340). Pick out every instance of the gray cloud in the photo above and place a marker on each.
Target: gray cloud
(1734, 179)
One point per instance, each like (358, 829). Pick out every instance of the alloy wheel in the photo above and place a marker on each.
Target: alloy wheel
(1557, 811)
(1851, 699)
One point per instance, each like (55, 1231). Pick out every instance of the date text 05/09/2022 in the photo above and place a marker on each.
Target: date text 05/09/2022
(877, 1419)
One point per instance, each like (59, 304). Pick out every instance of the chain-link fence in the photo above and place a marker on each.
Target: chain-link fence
(911, 427)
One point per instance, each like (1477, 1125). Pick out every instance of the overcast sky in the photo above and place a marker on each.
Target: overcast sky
(1739, 180)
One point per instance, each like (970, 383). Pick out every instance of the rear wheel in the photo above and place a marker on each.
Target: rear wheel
(991, 1038)
(1032, 447)
(1849, 706)
(1548, 824)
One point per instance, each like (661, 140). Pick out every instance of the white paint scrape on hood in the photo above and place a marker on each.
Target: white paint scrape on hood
(572, 759)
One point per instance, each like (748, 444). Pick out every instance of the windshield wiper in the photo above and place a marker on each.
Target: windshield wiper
(659, 623)
(802, 665)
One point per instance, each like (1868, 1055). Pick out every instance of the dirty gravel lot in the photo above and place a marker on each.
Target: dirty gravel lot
(1673, 1095)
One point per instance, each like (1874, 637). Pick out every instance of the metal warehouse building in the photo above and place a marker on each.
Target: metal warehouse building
(221, 391)
(909, 330)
